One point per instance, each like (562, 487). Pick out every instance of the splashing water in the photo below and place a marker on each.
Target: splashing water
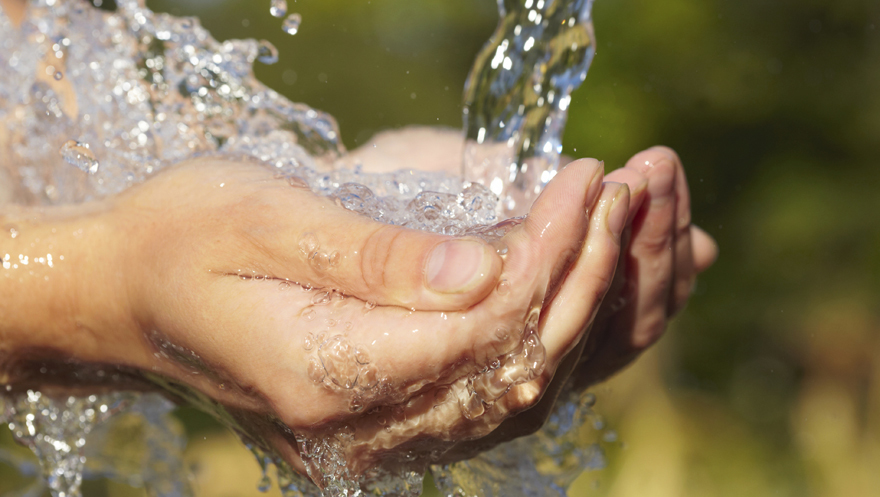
(152, 90)
(518, 93)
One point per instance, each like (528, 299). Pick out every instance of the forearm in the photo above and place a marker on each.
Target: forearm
(62, 293)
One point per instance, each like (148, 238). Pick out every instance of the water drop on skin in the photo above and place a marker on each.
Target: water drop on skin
(278, 8)
(291, 24)
(78, 154)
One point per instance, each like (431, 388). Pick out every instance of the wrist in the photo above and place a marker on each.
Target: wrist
(62, 285)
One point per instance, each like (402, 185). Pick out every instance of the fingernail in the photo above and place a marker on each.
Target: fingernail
(595, 184)
(661, 179)
(619, 209)
(455, 265)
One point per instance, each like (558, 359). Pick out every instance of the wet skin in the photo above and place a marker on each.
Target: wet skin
(217, 273)
(208, 275)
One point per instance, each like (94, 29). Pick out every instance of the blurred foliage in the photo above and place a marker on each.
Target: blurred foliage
(769, 382)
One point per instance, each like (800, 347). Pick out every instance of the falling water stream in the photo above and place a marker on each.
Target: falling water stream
(150, 90)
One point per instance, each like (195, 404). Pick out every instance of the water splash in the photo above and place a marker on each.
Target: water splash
(90, 437)
(149, 90)
(518, 93)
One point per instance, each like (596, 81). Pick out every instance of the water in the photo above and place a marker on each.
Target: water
(518, 93)
(151, 90)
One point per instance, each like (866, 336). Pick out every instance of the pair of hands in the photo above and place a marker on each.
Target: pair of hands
(218, 276)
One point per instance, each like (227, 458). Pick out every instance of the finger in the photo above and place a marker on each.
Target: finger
(324, 245)
(580, 296)
(652, 247)
(705, 249)
(683, 269)
(550, 238)
(637, 183)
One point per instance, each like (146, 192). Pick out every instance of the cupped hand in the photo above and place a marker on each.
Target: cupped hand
(662, 254)
(300, 317)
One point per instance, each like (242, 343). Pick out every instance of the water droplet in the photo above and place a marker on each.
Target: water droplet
(322, 298)
(321, 262)
(308, 245)
(297, 182)
(316, 371)
(278, 8)
(361, 356)
(308, 313)
(267, 53)
(503, 288)
(369, 305)
(58, 75)
(291, 24)
(265, 484)
(309, 342)
(78, 154)
(284, 286)
(333, 259)
(589, 400)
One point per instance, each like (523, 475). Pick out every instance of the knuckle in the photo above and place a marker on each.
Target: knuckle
(649, 331)
(656, 242)
(375, 254)
(672, 154)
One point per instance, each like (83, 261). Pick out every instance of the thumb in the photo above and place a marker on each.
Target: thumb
(324, 245)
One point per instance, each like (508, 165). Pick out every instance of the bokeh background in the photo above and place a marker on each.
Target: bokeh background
(769, 382)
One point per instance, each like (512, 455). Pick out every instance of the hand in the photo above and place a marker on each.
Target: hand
(663, 251)
(221, 281)
(662, 254)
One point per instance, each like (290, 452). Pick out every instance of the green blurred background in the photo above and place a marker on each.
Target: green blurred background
(769, 382)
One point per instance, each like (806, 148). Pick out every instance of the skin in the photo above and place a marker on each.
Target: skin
(202, 277)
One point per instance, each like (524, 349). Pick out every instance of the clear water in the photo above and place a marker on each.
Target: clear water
(518, 93)
(150, 90)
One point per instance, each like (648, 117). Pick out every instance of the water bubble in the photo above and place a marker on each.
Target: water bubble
(267, 53)
(58, 75)
(291, 24)
(78, 154)
(278, 8)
